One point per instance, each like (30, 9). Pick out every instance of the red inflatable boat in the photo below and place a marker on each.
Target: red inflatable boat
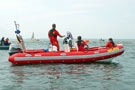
(19, 55)
(94, 54)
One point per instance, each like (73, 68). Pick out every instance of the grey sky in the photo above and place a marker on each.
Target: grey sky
(89, 18)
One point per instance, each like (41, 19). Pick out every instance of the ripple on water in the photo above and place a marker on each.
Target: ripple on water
(91, 76)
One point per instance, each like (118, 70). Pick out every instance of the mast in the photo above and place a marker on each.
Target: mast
(32, 36)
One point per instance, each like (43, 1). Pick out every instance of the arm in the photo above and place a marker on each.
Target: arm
(49, 34)
(57, 33)
(87, 47)
(62, 36)
(85, 44)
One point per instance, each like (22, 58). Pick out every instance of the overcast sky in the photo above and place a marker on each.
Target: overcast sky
(88, 18)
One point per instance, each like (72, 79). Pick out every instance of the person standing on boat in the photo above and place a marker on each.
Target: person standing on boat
(52, 34)
(110, 43)
(81, 44)
(2, 41)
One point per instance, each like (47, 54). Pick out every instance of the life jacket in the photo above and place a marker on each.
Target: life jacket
(113, 44)
(110, 44)
(79, 43)
(51, 33)
(6, 41)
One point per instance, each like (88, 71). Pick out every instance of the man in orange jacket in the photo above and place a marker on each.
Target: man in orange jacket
(52, 34)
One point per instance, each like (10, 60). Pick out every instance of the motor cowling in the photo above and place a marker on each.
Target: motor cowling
(15, 48)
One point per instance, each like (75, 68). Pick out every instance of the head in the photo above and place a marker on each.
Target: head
(79, 38)
(110, 39)
(7, 39)
(53, 26)
(68, 36)
(2, 38)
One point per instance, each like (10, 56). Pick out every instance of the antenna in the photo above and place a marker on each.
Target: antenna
(15, 25)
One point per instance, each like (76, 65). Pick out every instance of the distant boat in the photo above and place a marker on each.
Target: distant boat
(2, 47)
(32, 36)
(34, 39)
(101, 39)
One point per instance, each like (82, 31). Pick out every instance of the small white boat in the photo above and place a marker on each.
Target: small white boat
(34, 39)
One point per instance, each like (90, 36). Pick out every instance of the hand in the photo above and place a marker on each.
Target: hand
(87, 47)
(62, 36)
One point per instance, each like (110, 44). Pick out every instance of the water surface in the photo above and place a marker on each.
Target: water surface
(118, 75)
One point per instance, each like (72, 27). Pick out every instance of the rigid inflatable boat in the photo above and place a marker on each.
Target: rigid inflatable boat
(19, 55)
(40, 56)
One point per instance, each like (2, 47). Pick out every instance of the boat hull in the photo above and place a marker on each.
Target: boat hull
(4, 47)
(38, 56)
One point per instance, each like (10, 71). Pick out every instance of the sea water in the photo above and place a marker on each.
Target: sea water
(118, 75)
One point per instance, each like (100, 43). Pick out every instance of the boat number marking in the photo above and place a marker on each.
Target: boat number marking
(114, 49)
(38, 55)
(28, 55)
(63, 54)
(96, 52)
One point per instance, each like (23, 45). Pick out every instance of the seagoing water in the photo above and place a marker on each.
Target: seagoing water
(118, 75)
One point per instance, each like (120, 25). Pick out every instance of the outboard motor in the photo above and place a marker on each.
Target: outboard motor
(15, 48)
(20, 47)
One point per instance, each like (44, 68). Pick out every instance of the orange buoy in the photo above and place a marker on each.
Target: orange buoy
(87, 41)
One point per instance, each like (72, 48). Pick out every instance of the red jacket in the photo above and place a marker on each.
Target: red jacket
(81, 45)
(53, 38)
(109, 44)
(6, 41)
